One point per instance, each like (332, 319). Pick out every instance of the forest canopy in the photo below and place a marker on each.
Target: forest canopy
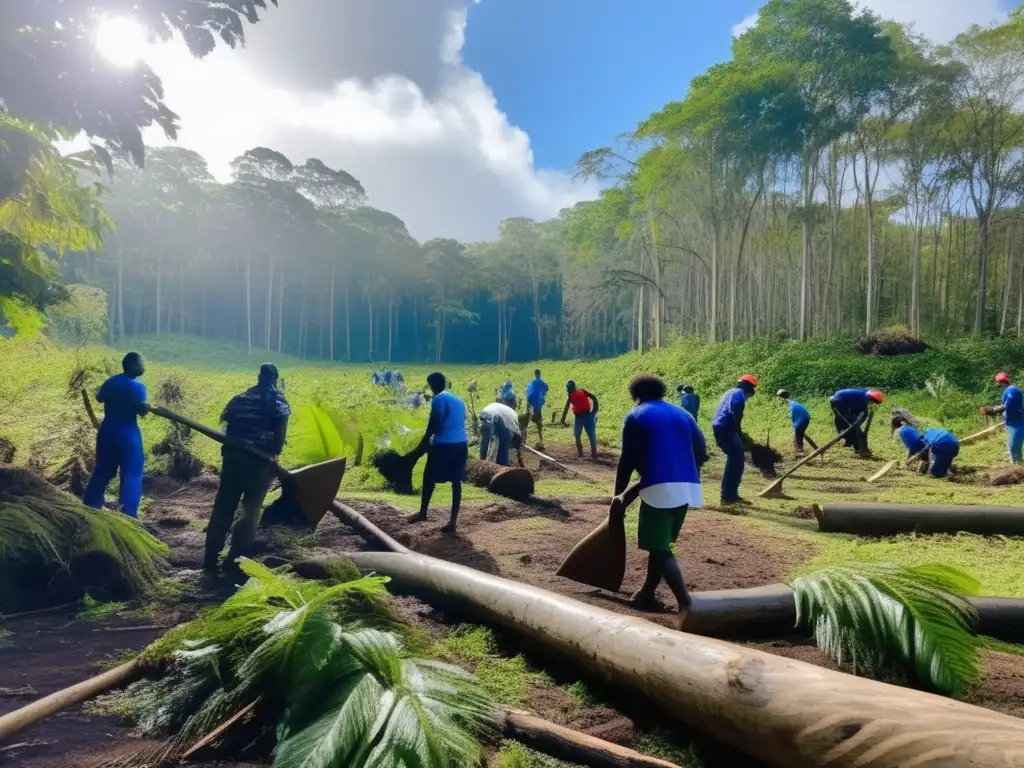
(839, 173)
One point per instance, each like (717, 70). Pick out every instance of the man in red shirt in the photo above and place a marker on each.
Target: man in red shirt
(584, 411)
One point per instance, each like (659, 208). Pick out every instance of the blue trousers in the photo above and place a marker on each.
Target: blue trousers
(498, 431)
(1015, 442)
(941, 461)
(728, 439)
(117, 451)
(586, 422)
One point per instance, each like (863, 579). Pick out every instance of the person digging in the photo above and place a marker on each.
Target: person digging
(852, 408)
(727, 426)
(663, 444)
(259, 417)
(1012, 408)
(500, 424)
(447, 447)
(536, 394)
(801, 419)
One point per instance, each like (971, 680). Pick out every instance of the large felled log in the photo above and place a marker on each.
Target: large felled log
(875, 519)
(770, 611)
(783, 711)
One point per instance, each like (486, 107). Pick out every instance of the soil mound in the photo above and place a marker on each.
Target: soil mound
(1011, 476)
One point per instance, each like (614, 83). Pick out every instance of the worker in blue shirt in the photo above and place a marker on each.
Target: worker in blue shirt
(536, 394)
(935, 447)
(852, 408)
(119, 441)
(689, 400)
(727, 426)
(801, 418)
(663, 444)
(1012, 409)
(447, 447)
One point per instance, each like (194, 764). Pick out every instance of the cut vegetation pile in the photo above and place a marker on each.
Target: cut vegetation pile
(764, 458)
(183, 465)
(396, 469)
(6, 451)
(514, 483)
(313, 673)
(54, 550)
(889, 342)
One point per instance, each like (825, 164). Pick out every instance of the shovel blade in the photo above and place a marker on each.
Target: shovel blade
(317, 486)
(599, 560)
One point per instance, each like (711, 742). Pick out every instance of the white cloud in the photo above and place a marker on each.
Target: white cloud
(448, 163)
(743, 26)
(939, 20)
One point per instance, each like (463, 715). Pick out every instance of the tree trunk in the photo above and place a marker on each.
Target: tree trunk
(805, 261)
(181, 297)
(983, 245)
(334, 268)
(120, 294)
(248, 302)
(785, 712)
(270, 300)
(348, 327)
(915, 283)
(1008, 282)
(280, 307)
(159, 286)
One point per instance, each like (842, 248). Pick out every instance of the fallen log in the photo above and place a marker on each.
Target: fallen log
(544, 736)
(573, 746)
(774, 491)
(871, 518)
(118, 677)
(770, 611)
(783, 711)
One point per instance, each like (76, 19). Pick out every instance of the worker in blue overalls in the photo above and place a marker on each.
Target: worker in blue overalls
(119, 441)
(935, 447)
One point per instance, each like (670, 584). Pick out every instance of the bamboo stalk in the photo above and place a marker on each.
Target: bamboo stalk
(885, 470)
(982, 434)
(118, 677)
(575, 747)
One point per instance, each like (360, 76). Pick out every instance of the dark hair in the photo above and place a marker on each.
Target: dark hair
(131, 362)
(536, 371)
(783, 393)
(687, 387)
(437, 382)
(681, 388)
(646, 387)
(268, 373)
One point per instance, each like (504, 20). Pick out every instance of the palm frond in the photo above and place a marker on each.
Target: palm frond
(888, 619)
(313, 437)
(325, 678)
(387, 710)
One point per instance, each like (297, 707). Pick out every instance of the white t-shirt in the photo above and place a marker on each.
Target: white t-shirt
(672, 495)
(501, 412)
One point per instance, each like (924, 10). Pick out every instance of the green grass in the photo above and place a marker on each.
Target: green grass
(507, 679)
(514, 755)
(94, 610)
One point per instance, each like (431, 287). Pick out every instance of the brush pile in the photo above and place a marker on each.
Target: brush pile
(54, 550)
(396, 468)
(889, 342)
(764, 458)
(311, 673)
(6, 451)
(183, 465)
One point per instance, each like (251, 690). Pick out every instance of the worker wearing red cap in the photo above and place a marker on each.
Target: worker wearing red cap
(1013, 414)
(853, 408)
(727, 426)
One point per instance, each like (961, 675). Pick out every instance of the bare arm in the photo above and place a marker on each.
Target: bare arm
(565, 411)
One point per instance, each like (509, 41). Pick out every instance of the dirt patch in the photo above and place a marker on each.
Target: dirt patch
(1011, 476)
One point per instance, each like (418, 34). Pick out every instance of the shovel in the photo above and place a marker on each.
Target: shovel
(313, 488)
(599, 560)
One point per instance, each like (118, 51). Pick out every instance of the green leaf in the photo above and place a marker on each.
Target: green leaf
(314, 437)
(889, 619)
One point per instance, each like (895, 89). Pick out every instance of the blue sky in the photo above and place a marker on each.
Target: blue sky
(574, 74)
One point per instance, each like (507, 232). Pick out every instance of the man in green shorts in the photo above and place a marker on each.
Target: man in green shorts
(663, 444)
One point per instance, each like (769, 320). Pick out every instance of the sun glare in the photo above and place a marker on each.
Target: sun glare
(121, 41)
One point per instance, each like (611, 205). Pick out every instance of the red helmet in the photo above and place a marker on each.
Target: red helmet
(874, 394)
(1002, 378)
(751, 380)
